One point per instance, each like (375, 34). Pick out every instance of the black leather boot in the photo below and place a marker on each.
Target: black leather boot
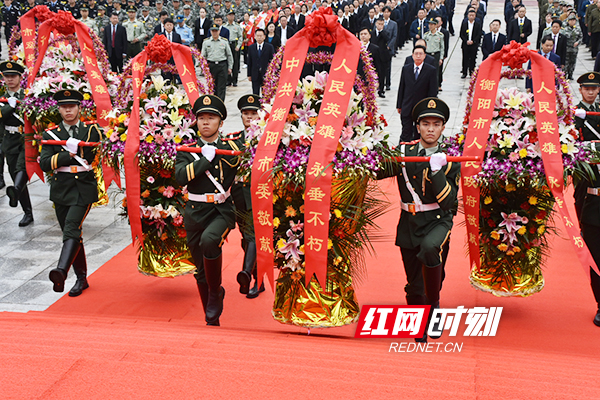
(67, 255)
(597, 318)
(202, 289)
(2, 183)
(216, 292)
(80, 268)
(245, 276)
(416, 300)
(27, 209)
(14, 192)
(432, 278)
(255, 291)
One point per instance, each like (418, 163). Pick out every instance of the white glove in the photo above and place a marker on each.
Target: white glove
(73, 145)
(12, 101)
(209, 152)
(580, 113)
(437, 161)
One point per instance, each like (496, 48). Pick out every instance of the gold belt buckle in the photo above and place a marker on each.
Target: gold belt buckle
(74, 169)
(210, 198)
(412, 209)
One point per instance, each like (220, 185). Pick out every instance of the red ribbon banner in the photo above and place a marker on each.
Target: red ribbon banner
(327, 135)
(478, 131)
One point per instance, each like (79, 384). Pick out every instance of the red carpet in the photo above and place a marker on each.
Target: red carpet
(135, 337)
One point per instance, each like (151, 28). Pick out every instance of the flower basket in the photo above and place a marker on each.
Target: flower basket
(354, 201)
(516, 204)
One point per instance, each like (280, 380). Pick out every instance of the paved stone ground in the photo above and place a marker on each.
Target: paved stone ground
(27, 254)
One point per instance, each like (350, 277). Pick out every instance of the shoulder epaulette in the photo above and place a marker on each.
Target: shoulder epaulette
(232, 136)
(51, 129)
(90, 122)
(409, 143)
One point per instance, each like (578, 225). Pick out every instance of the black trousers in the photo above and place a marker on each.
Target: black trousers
(591, 234)
(257, 84)
(116, 63)
(594, 43)
(70, 219)
(235, 72)
(205, 241)
(219, 74)
(409, 130)
(243, 212)
(469, 57)
(437, 56)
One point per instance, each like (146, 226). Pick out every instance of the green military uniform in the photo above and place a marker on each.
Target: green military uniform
(423, 231)
(149, 24)
(102, 22)
(209, 213)
(73, 189)
(220, 59)
(587, 193)
(435, 46)
(135, 30)
(13, 145)
(236, 40)
(574, 35)
(91, 24)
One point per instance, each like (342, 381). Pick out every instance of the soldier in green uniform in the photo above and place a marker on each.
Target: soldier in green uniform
(102, 20)
(217, 52)
(574, 37)
(149, 23)
(84, 10)
(236, 40)
(428, 202)
(242, 199)
(13, 145)
(73, 186)
(587, 194)
(209, 213)
(136, 33)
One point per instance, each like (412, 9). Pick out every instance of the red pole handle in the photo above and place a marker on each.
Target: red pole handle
(425, 159)
(222, 152)
(64, 142)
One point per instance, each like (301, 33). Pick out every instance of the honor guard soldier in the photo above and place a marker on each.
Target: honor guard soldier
(13, 143)
(217, 52)
(73, 186)
(428, 193)
(209, 213)
(136, 33)
(240, 191)
(587, 194)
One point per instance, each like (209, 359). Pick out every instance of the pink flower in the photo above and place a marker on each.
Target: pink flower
(150, 179)
(169, 192)
(178, 220)
(514, 156)
(114, 137)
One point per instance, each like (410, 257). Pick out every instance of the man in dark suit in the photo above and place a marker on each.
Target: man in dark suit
(259, 57)
(369, 22)
(546, 52)
(223, 32)
(297, 19)
(419, 26)
(170, 31)
(470, 34)
(428, 59)
(160, 27)
(201, 28)
(520, 28)
(381, 39)
(493, 41)
(560, 42)
(417, 81)
(510, 11)
(372, 49)
(284, 30)
(115, 43)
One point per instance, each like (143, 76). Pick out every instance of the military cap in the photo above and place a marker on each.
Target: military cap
(179, 18)
(431, 107)
(211, 104)
(187, 7)
(432, 21)
(101, 7)
(214, 27)
(249, 102)
(158, 1)
(572, 17)
(84, 7)
(231, 12)
(589, 79)
(68, 97)
(131, 9)
(145, 8)
(9, 67)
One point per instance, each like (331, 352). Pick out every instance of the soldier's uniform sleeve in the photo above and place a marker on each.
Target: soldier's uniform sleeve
(229, 56)
(6, 111)
(187, 168)
(53, 157)
(445, 185)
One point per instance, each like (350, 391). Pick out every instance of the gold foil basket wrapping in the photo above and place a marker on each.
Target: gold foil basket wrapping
(102, 195)
(165, 264)
(503, 281)
(313, 307)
